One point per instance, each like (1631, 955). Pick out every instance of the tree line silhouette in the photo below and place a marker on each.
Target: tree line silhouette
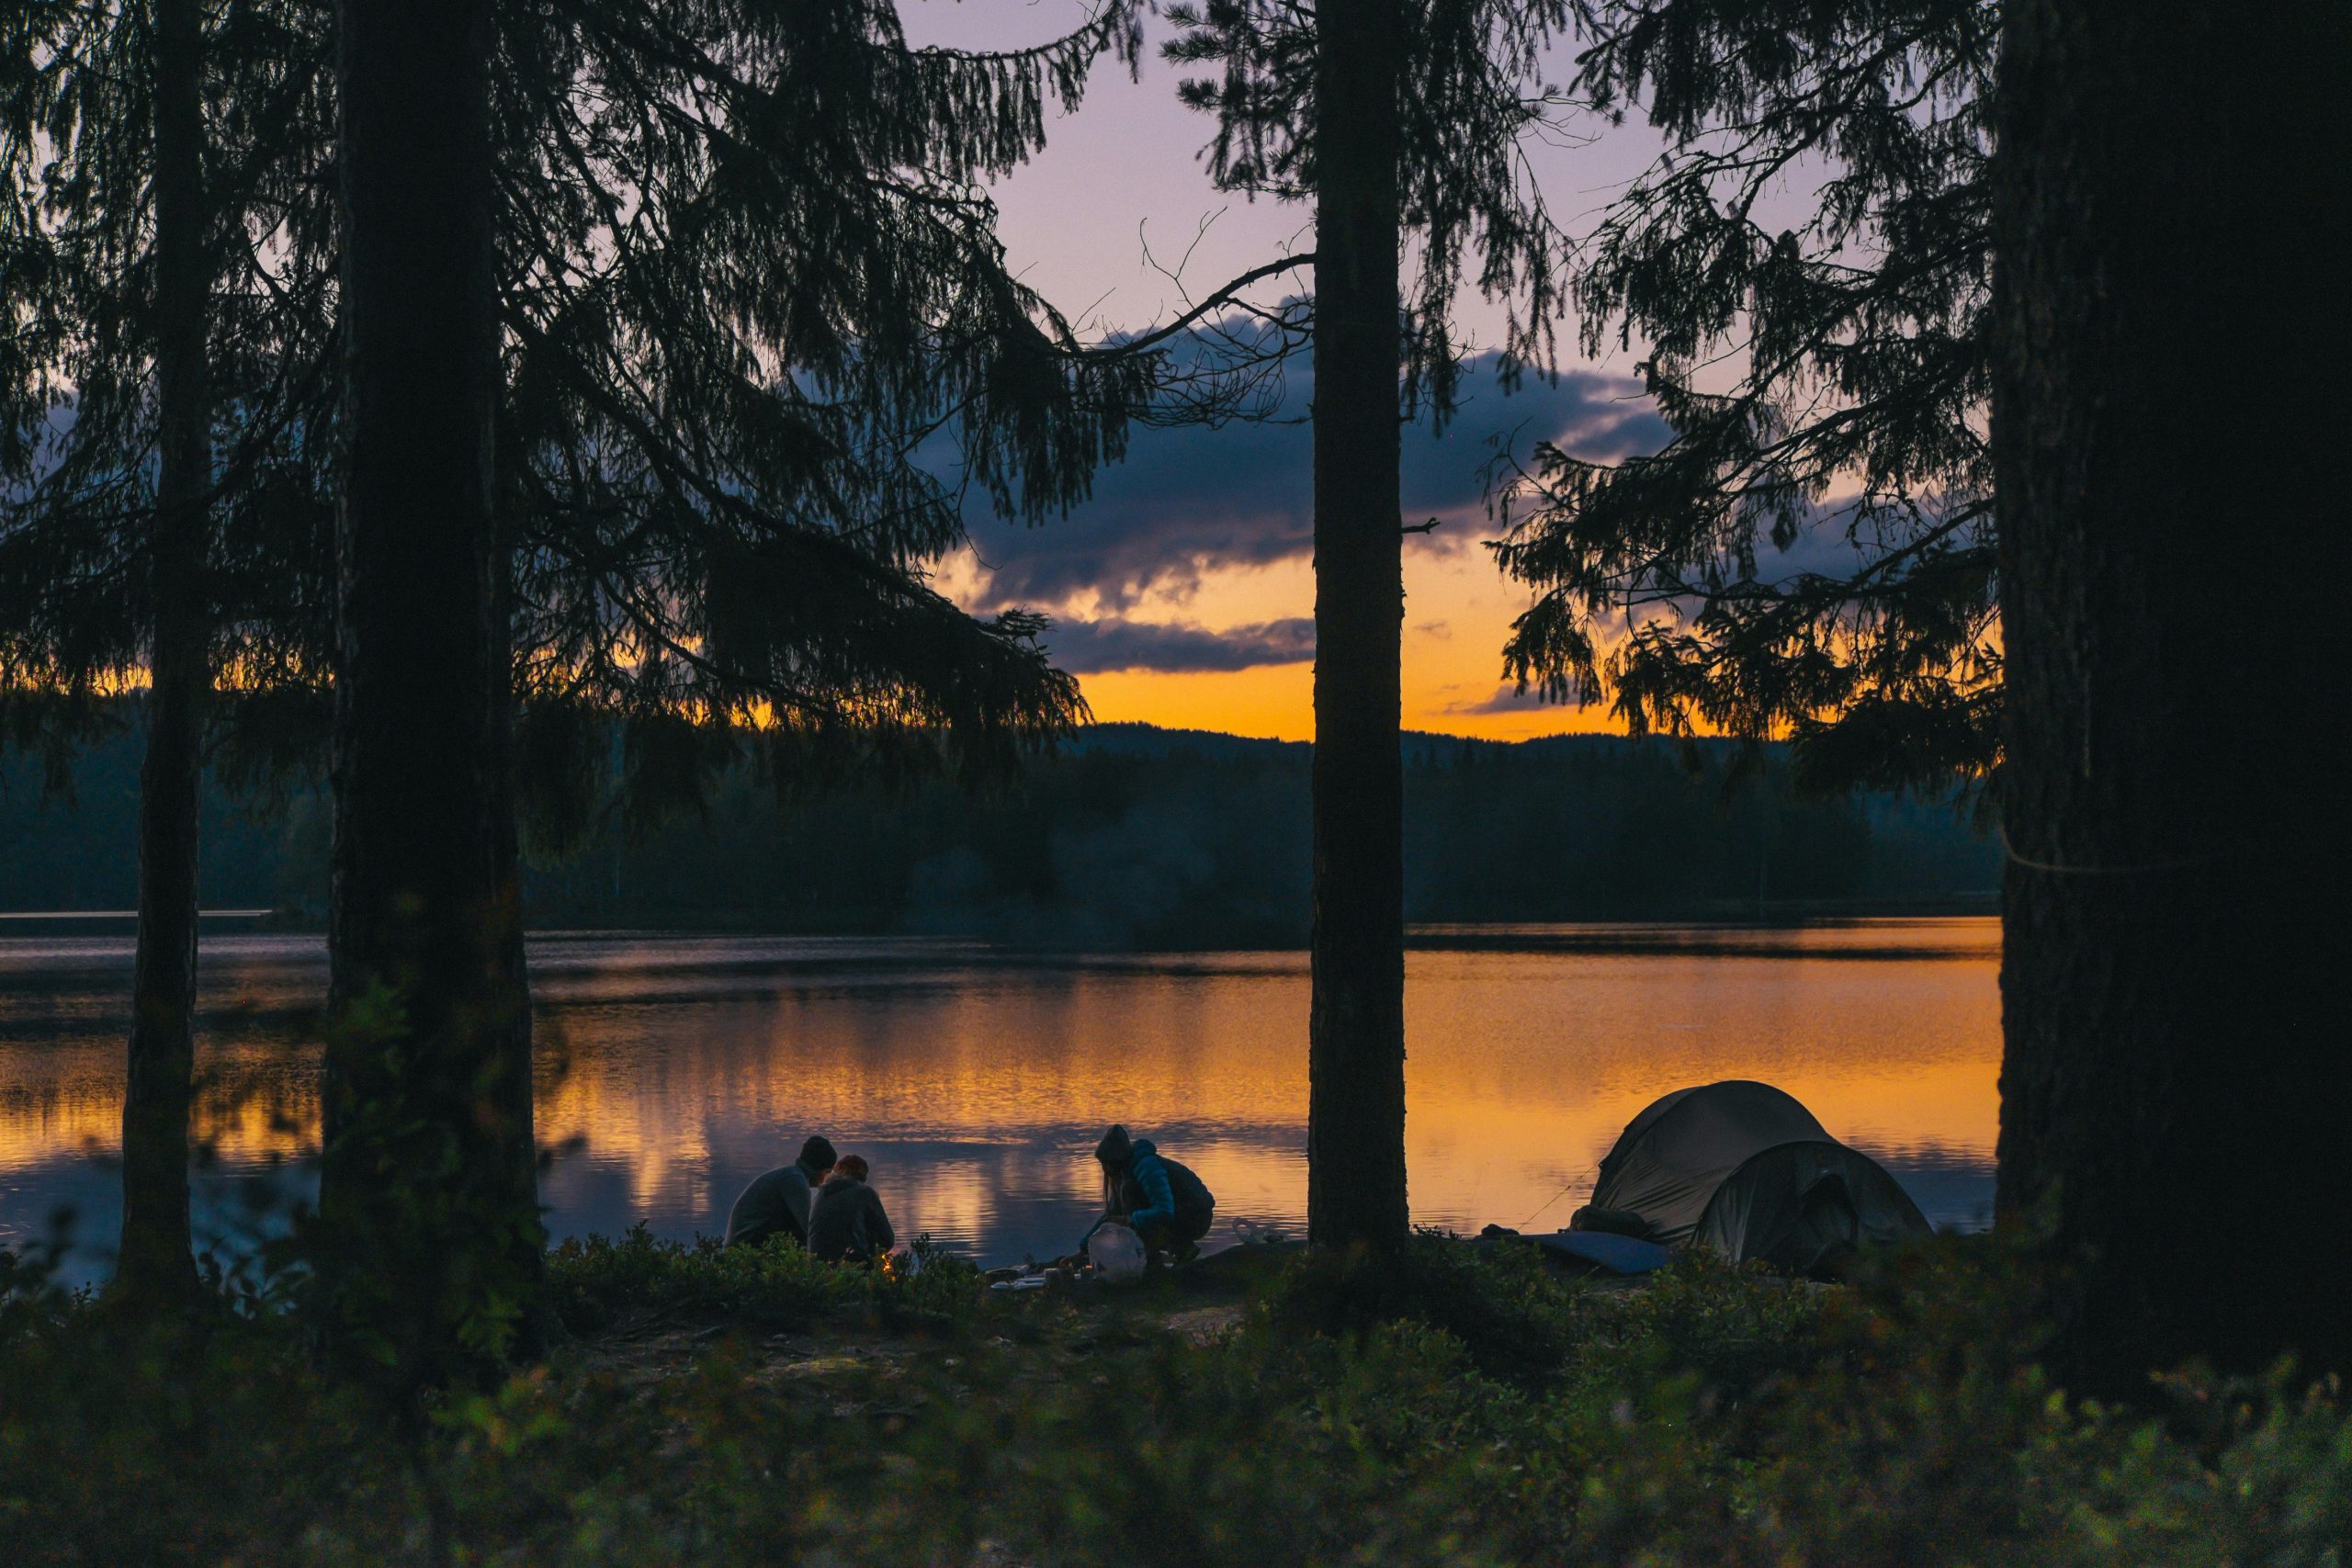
(1129, 837)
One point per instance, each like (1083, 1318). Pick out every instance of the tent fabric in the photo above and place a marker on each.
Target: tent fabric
(1743, 1168)
(1801, 1205)
(1653, 1111)
(1671, 1159)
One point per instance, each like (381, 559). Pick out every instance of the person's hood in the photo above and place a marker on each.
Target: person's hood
(1143, 1146)
(835, 1184)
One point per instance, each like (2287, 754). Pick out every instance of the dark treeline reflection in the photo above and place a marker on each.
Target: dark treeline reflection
(1133, 837)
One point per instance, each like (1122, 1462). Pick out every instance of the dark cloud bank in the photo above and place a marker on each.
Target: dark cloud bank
(1508, 698)
(1188, 502)
(1114, 642)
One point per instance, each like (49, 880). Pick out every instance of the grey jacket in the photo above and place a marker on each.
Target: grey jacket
(775, 1204)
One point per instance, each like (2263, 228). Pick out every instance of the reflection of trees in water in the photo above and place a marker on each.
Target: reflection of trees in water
(674, 1070)
(257, 1101)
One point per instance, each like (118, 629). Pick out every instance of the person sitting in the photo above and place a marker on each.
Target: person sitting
(848, 1224)
(777, 1203)
(1164, 1203)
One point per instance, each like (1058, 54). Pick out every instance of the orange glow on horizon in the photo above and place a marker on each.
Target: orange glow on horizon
(1458, 615)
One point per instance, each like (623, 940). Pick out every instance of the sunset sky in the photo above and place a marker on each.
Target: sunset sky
(1182, 593)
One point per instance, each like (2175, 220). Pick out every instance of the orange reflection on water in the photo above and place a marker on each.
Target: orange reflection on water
(674, 1069)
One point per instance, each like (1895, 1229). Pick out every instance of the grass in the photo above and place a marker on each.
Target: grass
(1460, 1406)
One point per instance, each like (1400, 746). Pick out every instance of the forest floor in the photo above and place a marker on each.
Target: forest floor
(1059, 1329)
(1459, 1404)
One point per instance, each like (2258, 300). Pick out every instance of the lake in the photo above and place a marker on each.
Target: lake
(675, 1068)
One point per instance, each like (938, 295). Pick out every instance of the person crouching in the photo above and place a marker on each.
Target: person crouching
(777, 1203)
(847, 1224)
(1167, 1205)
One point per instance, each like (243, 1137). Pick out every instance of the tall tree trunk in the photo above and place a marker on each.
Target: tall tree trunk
(155, 1262)
(2174, 1088)
(427, 1203)
(1355, 1183)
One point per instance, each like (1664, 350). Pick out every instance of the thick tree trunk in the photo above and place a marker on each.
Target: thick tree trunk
(155, 1262)
(1355, 1184)
(427, 1201)
(2175, 1088)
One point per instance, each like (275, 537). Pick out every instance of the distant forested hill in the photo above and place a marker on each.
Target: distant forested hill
(1130, 837)
(77, 847)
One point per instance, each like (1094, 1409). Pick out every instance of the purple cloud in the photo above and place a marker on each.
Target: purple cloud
(1507, 699)
(1188, 501)
(1114, 642)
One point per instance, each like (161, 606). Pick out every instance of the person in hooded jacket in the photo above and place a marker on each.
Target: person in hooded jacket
(848, 1224)
(1164, 1203)
(777, 1202)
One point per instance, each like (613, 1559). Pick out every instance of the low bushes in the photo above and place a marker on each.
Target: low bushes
(1461, 1407)
(596, 1283)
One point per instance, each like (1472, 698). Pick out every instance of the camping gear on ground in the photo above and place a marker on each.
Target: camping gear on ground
(1588, 1252)
(1600, 1249)
(1116, 1252)
(1031, 1275)
(1252, 1234)
(1615, 1222)
(1744, 1169)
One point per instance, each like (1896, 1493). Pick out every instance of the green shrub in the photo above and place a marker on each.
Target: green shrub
(1514, 1316)
(1267, 1447)
(1907, 1423)
(204, 1440)
(776, 1285)
(1730, 1329)
(1472, 1411)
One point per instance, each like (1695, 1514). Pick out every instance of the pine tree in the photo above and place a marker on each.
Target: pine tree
(2155, 956)
(428, 1236)
(741, 279)
(749, 393)
(2173, 1086)
(1396, 118)
(155, 1256)
(1825, 380)
(1356, 1125)
(127, 162)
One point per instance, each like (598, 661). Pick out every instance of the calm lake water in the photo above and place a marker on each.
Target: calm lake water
(673, 1069)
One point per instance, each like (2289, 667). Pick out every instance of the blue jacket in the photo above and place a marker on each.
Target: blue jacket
(1159, 1180)
(1150, 1173)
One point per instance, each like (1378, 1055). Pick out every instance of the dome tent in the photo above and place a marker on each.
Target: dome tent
(1744, 1169)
